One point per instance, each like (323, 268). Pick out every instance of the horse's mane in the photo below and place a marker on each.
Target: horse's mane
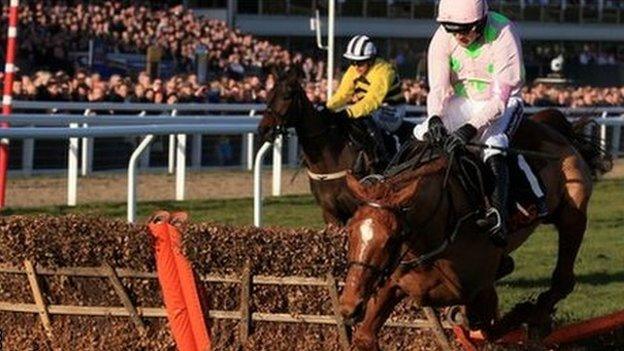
(324, 117)
(389, 188)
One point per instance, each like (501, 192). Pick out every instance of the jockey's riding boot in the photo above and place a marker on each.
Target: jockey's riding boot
(496, 216)
(542, 207)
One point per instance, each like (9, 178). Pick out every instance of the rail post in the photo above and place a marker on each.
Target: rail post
(277, 165)
(172, 148)
(257, 186)
(247, 149)
(72, 169)
(132, 165)
(180, 174)
(144, 160)
(87, 150)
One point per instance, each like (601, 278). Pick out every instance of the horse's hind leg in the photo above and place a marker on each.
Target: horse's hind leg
(378, 309)
(571, 223)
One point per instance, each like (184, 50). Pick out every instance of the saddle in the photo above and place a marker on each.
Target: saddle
(476, 179)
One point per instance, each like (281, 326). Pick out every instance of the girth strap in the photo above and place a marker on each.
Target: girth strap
(326, 176)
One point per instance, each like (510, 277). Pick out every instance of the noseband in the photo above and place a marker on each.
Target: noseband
(383, 273)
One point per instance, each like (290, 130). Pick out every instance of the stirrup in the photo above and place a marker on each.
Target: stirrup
(371, 179)
(542, 208)
(496, 232)
(487, 222)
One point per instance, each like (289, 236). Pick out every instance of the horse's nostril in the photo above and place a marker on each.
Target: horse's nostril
(353, 316)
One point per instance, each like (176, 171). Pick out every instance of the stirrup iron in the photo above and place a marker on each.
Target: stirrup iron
(487, 222)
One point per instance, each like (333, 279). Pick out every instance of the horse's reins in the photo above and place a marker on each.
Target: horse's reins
(515, 151)
(383, 273)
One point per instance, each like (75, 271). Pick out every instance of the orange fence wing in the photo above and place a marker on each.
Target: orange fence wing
(177, 313)
(193, 293)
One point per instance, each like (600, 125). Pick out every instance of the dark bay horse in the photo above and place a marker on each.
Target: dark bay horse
(415, 235)
(325, 143)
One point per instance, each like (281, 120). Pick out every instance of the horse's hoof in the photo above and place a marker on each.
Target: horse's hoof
(456, 315)
(520, 313)
(541, 324)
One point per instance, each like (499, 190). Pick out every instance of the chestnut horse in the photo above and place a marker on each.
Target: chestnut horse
(325, 142)
(415, 235)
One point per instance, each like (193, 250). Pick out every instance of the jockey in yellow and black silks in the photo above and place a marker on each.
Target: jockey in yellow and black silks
(369, 94)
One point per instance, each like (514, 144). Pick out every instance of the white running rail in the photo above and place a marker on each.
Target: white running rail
(257, 186)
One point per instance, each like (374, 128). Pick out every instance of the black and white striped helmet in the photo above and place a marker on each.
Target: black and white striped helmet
(360, 48)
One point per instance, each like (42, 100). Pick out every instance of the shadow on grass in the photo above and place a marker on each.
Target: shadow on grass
(594, 279)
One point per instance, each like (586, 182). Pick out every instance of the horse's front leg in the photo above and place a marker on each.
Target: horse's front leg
(482, 312)
(378, 309)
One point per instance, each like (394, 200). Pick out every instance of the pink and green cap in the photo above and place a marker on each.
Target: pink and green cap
(461, 11)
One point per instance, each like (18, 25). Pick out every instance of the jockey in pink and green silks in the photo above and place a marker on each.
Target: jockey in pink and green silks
(476, 73)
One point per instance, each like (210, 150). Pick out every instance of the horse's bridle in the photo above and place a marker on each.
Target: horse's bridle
(383, 273)
(282, 128)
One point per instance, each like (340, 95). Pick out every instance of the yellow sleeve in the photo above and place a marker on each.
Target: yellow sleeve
(380, 78)
(343, 95)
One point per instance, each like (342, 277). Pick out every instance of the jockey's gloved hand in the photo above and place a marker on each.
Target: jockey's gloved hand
(460, 137)
(436, 131)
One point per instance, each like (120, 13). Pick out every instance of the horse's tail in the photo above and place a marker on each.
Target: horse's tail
(597, 157)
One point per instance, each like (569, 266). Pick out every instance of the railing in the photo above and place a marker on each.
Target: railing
(148, 126)
(202, 125)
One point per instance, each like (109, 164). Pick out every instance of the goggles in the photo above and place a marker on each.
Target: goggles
(459, 28)
(359, 63)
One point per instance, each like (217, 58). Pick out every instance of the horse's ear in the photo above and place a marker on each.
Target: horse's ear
(295, 73)
(357, 189)
(299, 71)
(405, 195)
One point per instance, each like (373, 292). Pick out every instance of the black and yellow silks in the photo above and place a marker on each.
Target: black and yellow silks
(364, 94)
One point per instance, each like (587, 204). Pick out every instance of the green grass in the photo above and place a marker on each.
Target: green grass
(600, 266)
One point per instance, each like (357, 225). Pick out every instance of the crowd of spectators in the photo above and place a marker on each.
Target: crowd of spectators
(184, 88)
(243, 65)
(48, 32)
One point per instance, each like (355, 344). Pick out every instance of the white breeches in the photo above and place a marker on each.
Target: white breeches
(459, 110)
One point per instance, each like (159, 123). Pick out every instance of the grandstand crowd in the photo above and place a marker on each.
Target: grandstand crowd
(241, 66)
